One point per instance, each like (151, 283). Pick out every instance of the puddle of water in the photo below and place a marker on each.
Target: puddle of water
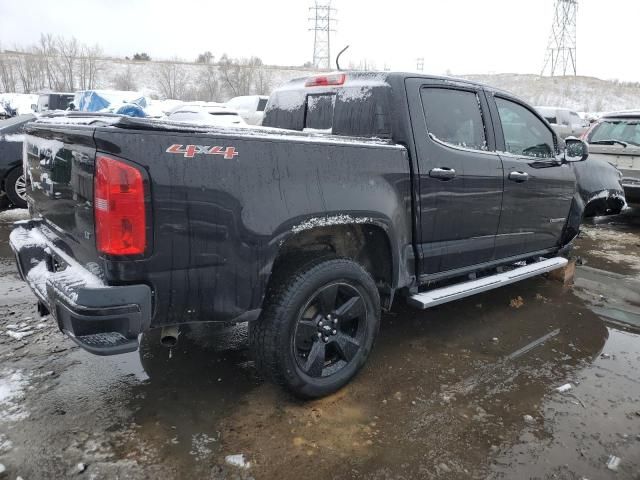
(444, 395)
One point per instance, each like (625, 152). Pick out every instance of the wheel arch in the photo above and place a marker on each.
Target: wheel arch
(370, 241)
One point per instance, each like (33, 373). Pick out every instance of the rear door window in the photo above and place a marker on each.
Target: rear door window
(319, 112)
(454, 117)
(524, 133)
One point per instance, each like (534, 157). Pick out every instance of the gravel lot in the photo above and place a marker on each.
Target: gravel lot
(465, 390)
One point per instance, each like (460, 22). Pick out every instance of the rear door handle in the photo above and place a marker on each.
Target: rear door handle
(518, 177)
(442, 173)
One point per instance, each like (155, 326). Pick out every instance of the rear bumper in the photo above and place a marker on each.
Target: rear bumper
(102, 319)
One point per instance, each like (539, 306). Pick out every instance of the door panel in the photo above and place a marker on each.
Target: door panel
(538, 188)
(460, 178)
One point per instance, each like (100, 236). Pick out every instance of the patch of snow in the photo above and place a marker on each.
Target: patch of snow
(329, 221)
(65, 281)
(564, 388)
(19, 335)
(355, 94)
(17, 137)
(237, 460)
(20, 102)
(613, 463)
(14, 214)
(327, 131)
(5, 444)
(54, 146)
(13, 384)
(200, 445)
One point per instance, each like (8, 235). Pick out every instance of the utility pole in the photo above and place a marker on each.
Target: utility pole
(561, 58)
(322, 16)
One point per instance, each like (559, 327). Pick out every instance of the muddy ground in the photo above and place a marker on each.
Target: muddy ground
(465, 390)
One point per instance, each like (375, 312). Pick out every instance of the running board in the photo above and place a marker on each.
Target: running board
(439, 296)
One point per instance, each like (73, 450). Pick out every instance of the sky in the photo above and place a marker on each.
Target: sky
(453, 36)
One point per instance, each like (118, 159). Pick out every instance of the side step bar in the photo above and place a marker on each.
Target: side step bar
(439, 296)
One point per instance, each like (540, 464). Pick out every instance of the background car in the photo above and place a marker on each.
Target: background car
(12, 182)
(250, 107)
(565, 122)
(54, 101)
(214, 115)
(615, 138)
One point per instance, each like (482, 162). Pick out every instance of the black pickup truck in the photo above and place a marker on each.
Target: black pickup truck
(360, 187)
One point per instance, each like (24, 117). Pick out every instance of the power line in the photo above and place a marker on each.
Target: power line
(561, 58)
(322, 16)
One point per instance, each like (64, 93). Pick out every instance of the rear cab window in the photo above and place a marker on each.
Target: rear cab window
(319, 112)
(454, 117)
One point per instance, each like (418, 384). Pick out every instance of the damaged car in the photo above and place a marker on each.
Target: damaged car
(615, 139)
(362, 189)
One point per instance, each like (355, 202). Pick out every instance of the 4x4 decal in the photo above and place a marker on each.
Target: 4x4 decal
(190, 151)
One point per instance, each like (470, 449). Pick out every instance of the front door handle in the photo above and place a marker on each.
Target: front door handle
(442, 173)
(519, 177)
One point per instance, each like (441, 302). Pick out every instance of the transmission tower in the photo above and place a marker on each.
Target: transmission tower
(560, 58)
(420, 64)
(323, 21)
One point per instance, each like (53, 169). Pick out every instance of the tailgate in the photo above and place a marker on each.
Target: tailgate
(59, 166)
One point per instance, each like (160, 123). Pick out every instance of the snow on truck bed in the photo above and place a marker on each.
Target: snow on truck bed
(254, 131)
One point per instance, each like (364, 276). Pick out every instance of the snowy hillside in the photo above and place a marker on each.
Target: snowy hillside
(219, 82)
(583, 94)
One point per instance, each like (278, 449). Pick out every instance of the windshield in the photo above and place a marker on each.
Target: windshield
(627, 131)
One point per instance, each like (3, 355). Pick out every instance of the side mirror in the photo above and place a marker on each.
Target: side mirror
(575, 150)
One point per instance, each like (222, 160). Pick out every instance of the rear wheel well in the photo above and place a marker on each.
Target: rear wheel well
(366, 244)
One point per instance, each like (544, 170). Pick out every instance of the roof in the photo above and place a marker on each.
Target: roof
(623, 114)
(556, 109)
(373, 77)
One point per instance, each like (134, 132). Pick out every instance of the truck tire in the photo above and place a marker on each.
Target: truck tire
(317, 326)
(15, 188)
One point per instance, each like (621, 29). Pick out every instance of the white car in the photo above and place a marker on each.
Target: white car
(250, 107)
(214, 115)
(565, 122)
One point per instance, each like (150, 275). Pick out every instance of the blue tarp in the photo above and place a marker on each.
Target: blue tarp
(131, 110)
(96, 100)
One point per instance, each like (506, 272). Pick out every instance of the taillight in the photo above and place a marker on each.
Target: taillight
(119, 208)
(326, 80)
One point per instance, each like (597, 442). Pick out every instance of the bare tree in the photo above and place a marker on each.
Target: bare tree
(7, 77)
(208, 85)
(50, 63)
(125, 80)
(206, 57)
(172, 79)
(243, 76)
(263, 81)
(88, 66)
(28, 69)
(68, 51)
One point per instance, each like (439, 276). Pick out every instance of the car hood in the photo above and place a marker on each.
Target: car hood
(615, 150)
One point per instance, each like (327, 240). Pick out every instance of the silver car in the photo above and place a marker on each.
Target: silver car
(615, 138)
(565, 122)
